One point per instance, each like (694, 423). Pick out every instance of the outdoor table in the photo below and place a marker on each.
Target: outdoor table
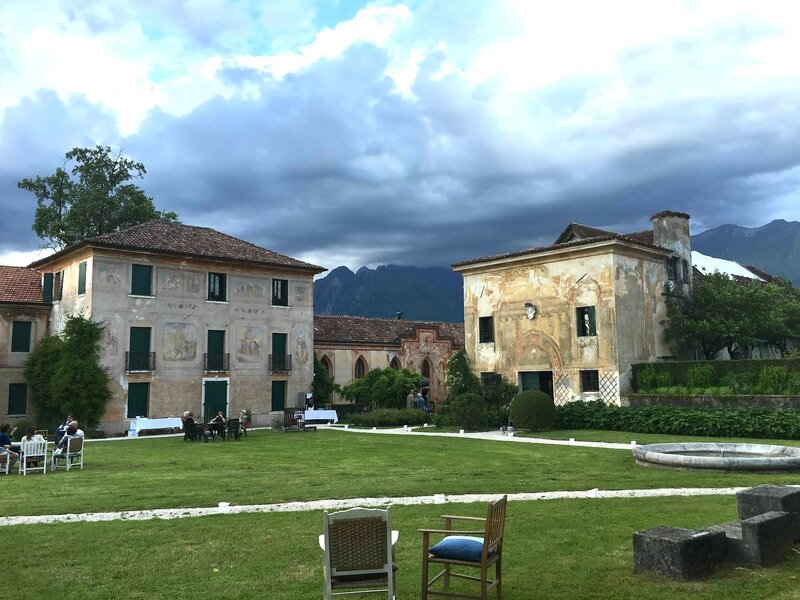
(140, 423)
(321, 415)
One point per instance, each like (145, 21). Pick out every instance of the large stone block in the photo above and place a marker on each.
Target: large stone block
(765, 498)
(682, 554)
(767, 537)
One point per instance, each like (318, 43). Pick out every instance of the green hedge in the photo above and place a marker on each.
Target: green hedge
(678, 371)
(780, 423)
(389, 417)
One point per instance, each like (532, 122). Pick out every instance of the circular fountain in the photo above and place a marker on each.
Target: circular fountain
(716, 456)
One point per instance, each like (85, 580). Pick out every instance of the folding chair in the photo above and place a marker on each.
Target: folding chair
(33, 452)
(72, 455)
(478, 548)
(358, 552)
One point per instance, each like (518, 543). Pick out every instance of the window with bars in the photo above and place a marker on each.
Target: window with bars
(217, 287)
(82, 278)
(21, 336)
(587, 321)
(280, 292)
(141, 280)
(485, 330)
(590, 381)
(17, 398)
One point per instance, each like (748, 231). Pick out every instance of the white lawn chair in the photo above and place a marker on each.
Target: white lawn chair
(5, 462)
(72, 454)
(32, 451)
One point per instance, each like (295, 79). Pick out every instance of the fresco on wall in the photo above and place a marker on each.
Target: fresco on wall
(250, 342)
(178, 282)
(108, 277)
(180, 341)
(301, 347)
(300, 293)
(108, 343)
(248, 288)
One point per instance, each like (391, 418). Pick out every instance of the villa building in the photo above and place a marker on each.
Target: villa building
(351, 346)
(194, 320)
(570, 318)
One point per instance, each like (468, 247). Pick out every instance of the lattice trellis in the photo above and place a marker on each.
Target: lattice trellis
(563, 391)
(609, 390)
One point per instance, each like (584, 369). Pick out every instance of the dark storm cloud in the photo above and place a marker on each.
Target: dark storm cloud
(332, 162)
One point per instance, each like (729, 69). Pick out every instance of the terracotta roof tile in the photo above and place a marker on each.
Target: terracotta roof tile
(20, 285)
(385, 332)
(188, 240)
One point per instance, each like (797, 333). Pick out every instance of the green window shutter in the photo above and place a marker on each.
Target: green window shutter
(217, 287)
(279, 361)
(278, 395)
(280, 292)
(21, 336)
(47, 287)
(142, 280)
(592, 321)
(58, 291)
(139, 357)
(82, 278)
(138, 396)
(215, 350)
(17, 398)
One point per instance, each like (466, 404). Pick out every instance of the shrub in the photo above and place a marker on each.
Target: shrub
(444, 418)
(532, 410)
(389, 417)
(779, 423)
(468, 410)
(773, 380)
(701, 376)
(650, 379)
(277, 424)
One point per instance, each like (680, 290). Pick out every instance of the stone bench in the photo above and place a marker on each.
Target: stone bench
(766, 498)
(683, 554)
(764, 540)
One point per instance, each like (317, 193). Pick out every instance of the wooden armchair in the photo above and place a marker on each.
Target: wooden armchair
(478, 548)
(358, 552)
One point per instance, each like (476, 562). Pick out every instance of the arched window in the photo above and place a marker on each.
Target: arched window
(326, 362)
(361, 367)
(426, 369)
(395, 364)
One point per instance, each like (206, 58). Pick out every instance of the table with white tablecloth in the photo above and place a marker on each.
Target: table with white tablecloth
(140, 423)
(321, 415)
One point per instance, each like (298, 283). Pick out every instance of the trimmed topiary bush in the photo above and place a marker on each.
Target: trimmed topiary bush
(532, 410)
(468, 410)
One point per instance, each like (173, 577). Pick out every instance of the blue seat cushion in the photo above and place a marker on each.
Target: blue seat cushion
(459, 547)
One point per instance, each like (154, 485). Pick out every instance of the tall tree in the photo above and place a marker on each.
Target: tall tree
(96, 198)
(460, 378)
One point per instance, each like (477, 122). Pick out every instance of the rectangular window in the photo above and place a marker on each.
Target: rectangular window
(82, 278)
(17, 398)
(587, 326)
(590, 381)
(217, 287)
(141, 280)
(139, 353)
(215, 357)
(58, 286)
(672, 269)
(138, 396)
(485, 330)
(21, 336)
(280, 292)
(490, 378)
(685, 268)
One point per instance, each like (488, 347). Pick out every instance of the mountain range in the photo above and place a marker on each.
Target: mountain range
(436, 293)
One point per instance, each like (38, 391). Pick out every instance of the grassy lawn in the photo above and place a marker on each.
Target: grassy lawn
(570, 549)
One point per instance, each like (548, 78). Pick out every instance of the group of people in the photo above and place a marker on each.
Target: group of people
(418, 402)
(218, 425)
(63, 432)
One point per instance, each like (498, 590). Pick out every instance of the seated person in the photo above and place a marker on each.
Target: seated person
(187, 417)
(218, 423)
(61, 429)
(32, 436)
(6, 446)
(243, 419)
(61, 447)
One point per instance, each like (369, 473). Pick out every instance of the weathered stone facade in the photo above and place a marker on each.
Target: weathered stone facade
(571, 318)
(263, 346)
(340, 342)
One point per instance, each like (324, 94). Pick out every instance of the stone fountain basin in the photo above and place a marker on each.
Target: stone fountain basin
(718, 456)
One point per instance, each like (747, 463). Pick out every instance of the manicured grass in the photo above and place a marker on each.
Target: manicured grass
(271, 467)
(554, 550)
(566, 549)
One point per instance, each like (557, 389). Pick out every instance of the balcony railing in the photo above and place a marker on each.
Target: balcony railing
(215, 363)
(280, 363)
(140, 362)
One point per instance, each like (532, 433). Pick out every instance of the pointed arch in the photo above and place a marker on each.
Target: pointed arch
(360, 368)
(425, 369)
(395, 364)
(326, 362)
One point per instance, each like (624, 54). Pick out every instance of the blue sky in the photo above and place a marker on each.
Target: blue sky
(418, 133)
